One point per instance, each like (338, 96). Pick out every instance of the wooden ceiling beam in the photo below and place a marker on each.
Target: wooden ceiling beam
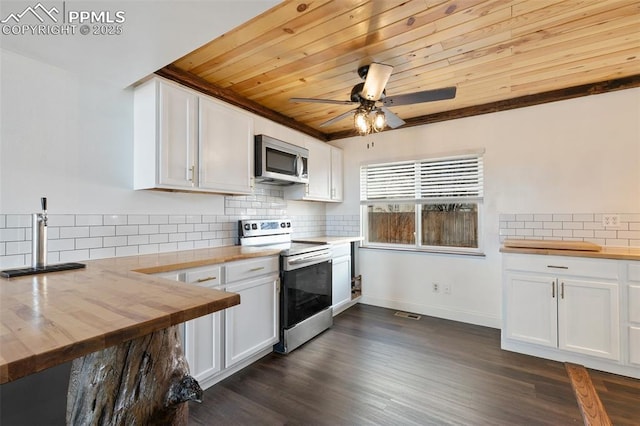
(171, 72)
(519, 102)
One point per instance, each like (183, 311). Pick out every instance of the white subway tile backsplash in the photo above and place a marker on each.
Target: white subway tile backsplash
(89, 220)
(88, 243)
(12, 234)
(158, 219)
(126, 251)
(114, 219)
(119, 241)
(158, 238)
(72, 232)
(102, 231)
(187, 227)
(177, 219)
(138, 219)
(148, 229)
(167, 229)
(74, 255)
(62, 220)
(133, 240)
(102, 253)
(572, 227)
(18, 221)
(127, 230)
(92, 236)
(61, 245)
(18, 247)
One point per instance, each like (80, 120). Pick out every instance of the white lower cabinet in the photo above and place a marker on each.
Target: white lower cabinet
(574, 315)
(340, 277)
(571, 309)
(202, 336)
(219, 344)
(253, 325)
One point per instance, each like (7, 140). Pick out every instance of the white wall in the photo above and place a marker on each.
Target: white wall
(575, 156)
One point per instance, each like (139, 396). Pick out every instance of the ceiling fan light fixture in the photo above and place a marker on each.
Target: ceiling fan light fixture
(379, 120)
(361, 122)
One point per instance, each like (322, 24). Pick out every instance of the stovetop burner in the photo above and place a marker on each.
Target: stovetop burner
(274, 233)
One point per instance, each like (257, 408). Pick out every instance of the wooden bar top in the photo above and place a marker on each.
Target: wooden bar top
(617, 253)
(49, 319)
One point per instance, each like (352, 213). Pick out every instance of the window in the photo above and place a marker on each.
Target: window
(432, 204)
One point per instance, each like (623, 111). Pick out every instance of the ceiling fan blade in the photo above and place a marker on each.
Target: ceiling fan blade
(418, 97)
(393, 120)
(377, 77)
(322, 101)
(338, 118)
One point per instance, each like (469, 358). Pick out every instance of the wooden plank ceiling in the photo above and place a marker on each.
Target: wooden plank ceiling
(500, 54)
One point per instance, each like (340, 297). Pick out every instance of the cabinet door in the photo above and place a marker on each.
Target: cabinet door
(319, 171)
(252, 325)
(226, 152)
(336, 174)
(589, 318)
(177, 137)
(341, 282)
(531, 309)
(203, 335)
(202, 338)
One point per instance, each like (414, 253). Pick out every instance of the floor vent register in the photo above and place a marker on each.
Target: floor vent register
(408, 315)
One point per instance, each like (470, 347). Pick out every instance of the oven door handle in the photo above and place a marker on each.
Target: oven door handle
(309, 259)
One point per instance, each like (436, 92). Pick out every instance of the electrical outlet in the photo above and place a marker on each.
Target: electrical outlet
(446, 288)
(610, 220)
(436, 287)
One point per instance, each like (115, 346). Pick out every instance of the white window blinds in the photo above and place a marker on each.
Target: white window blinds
(388, 181)
(433, 179)
(453, 178)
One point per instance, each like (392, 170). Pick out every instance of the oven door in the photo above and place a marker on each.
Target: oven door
(306, 290)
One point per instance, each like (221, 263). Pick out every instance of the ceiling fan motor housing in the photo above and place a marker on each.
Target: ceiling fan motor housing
(356, 97)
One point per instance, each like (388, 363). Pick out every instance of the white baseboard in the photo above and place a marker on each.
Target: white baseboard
(434, 311)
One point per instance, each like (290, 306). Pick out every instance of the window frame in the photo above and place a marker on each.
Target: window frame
(419, 203)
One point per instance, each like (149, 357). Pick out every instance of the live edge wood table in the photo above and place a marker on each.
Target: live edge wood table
(119, 326)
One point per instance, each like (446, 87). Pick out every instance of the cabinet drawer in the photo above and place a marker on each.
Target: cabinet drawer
(207, 276)
(633, 271)
(340, 250)
(634, 345)
(251, 268)
(562, 265)
(634, 303)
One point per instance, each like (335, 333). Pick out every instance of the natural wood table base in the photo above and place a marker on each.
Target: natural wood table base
(144, 381)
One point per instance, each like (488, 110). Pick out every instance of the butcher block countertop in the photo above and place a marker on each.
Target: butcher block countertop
(49, 319)
(569, 248)
(328, 240)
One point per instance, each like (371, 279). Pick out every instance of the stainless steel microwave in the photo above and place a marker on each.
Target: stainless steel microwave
(279, 162)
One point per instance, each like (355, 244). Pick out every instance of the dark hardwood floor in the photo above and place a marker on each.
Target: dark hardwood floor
(372, 367)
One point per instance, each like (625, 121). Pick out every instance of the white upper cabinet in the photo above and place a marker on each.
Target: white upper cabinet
(187, 141)
(226, 138)
(336, 174)
(325, 175)
(177, 137)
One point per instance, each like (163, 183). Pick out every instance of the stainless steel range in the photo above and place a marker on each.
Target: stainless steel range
(305, 274)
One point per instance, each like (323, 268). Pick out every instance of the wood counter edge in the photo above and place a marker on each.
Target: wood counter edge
(606, 253)
(59, 355)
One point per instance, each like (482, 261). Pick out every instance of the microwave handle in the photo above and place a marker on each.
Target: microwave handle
(299, 166)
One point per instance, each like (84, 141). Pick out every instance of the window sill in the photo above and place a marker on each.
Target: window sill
(425, 251)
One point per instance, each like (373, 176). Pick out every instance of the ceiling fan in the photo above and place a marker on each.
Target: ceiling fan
(372, 114)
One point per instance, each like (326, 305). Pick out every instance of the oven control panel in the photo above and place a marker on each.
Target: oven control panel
(260, 227)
